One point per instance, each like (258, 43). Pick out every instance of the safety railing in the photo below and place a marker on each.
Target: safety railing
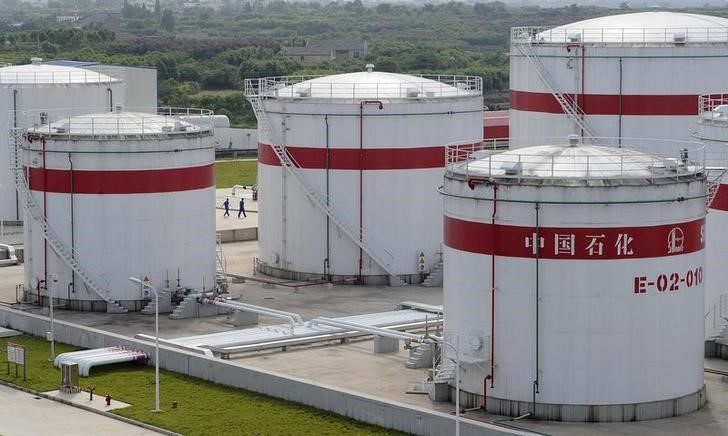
(101, 74)
(713, 109)
(424, 86)
(129, 123)
(716, 319)
(625, 35)
(634, 158)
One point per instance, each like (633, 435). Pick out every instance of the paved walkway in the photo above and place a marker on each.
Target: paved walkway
(233, 222)
(22, 414)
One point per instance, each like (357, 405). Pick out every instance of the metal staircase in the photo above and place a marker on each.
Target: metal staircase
(256, 90)
(716, 320)
(221, 277)
(713, 176)
(443, 368)
(66, 254)
(568, 104)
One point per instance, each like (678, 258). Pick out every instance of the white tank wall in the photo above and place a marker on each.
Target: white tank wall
(58, 100)
(682, 70)
(401, 207)
(599, 343)
(128, 235)
(716, 249)
(143, 91)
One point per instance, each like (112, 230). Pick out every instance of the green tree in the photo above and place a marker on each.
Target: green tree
(167, 20)
(157, 9)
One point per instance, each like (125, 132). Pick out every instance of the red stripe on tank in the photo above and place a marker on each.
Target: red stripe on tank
(608, 104)
(720, 201)
(355, 158)
(122, 181)
(586, 243)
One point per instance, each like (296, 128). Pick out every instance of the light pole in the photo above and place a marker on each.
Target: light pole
(145, 284)
(456, 348)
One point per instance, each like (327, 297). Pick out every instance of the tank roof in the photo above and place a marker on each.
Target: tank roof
(640, 27)
(367, 85)
(44, 74)
(571, 163)
(121, 125)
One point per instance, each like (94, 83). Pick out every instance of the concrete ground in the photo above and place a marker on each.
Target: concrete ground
(353, 365)
(233, 222)
(84, 399)
(23, 414)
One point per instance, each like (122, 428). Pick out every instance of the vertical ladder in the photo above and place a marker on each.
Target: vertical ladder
(255, 90)
(66, 254)
(568, 104)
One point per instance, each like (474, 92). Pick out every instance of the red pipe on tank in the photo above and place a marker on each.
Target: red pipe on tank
(361, 176)
(471, 183)
(492, 290)
(45, 211)
(484, 407)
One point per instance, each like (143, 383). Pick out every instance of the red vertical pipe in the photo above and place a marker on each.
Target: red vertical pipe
(361, 177)
(45, 215)
(492, 289)
(471, 184)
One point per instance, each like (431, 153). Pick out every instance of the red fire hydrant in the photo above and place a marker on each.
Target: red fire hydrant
(108, 400)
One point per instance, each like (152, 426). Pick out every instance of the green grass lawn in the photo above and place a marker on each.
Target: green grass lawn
(203, 408)
(235, 172)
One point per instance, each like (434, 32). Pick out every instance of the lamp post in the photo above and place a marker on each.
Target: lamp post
(456, 348)
(51, 293)
(145, 284)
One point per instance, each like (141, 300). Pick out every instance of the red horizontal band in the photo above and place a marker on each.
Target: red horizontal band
(720, 201)
(122, 182)
(608, 104)
(355, 159)
(495, 132)
(576, 242)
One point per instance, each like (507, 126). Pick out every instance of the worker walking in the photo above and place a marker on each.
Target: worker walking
(226, 205)
(242, 208)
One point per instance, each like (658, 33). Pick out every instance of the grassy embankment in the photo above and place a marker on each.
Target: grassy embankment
(203, 408)
(235, 172)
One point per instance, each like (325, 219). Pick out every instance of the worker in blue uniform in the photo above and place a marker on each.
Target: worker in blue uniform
(242, 208)
(226, 206)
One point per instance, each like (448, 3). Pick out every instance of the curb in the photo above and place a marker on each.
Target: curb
(90, 409)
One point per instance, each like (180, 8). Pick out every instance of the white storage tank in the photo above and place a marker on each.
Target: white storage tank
(131, 194)
(712, 129)
(54, 89)
(596, 257)
(371, 145)
(635, 75)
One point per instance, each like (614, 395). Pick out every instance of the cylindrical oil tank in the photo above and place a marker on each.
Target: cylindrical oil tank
(371, 144)
(712, 129)
(635, 75)
(131, 195)
(53, 89)
(573, 284)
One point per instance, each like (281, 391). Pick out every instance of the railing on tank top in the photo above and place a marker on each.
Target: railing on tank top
(625, 35)
(423, 86)
(95, 123)
(713, 109)
(624, 158)
(96, 74)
